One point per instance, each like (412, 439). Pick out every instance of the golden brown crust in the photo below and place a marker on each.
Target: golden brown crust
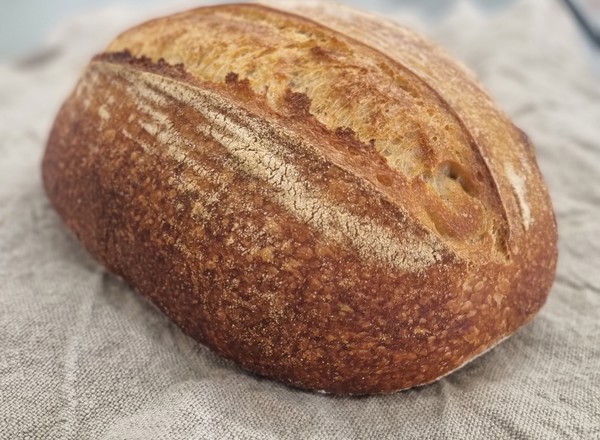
(286, 219)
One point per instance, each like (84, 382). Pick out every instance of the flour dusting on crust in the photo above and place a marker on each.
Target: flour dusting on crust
(518, 183)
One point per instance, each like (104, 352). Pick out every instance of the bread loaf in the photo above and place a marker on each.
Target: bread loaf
(329, 201)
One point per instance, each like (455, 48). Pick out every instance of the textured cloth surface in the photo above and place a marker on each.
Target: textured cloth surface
(83, 356)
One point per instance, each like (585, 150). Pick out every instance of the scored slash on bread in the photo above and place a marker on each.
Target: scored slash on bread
(331, 202)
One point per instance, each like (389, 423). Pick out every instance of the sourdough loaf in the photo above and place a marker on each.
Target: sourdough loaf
(331, 202)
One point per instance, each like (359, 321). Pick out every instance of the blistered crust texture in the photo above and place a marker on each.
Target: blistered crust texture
(303, 199)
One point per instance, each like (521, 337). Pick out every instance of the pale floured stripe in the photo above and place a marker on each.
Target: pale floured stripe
(257, 158)
(519, 187)
(161, 124)
(260, 152)
(162, 129)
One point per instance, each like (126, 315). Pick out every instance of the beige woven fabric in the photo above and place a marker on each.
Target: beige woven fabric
(84, 357)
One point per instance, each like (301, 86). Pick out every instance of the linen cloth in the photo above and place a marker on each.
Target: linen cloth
(82, 356)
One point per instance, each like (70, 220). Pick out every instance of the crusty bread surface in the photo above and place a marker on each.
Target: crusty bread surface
(319, 195)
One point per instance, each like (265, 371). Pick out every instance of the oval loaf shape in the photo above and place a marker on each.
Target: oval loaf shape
(329, 201)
